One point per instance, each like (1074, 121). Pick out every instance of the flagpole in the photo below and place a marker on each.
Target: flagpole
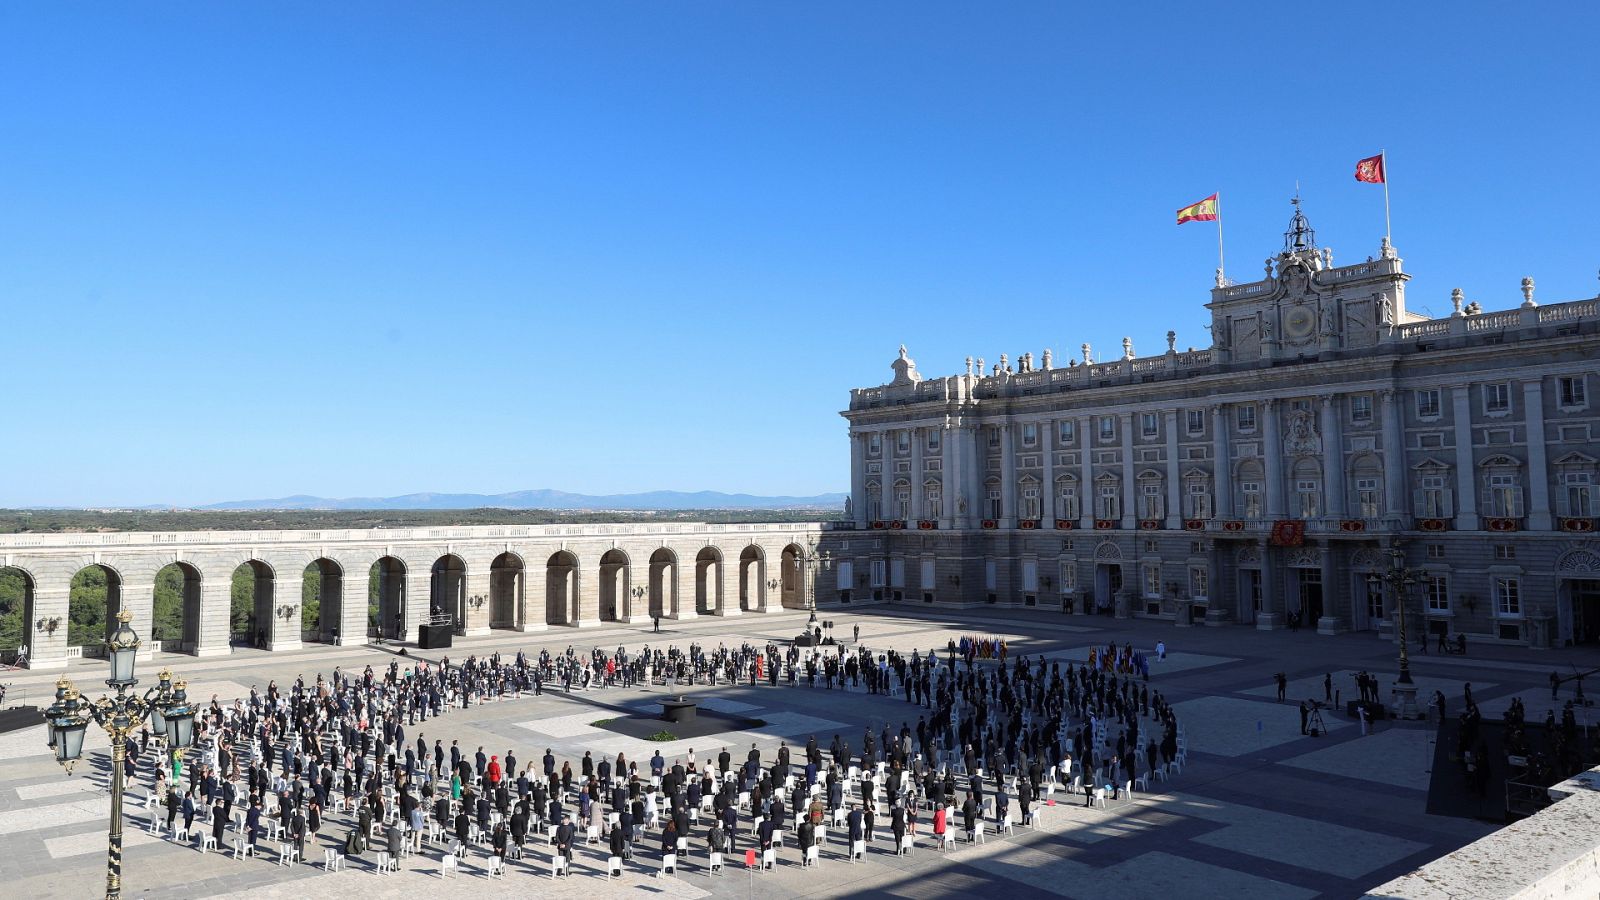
(1384, 155)
(1221, 267)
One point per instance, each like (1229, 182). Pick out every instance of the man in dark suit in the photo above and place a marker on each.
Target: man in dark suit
(564, 837)
(855, 823)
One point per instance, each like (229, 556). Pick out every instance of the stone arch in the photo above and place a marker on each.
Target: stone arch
(92, 606)
(561, 588)
(386, 598)
(708, 581)
(322, 599)
(508, 592)
(19, 631)
(255, 614)
(176, 608)
(791, 577)
(616, 601)
(447, 591)
(663, 587)
(1108, 550)
(1579, 561)
(752, 579)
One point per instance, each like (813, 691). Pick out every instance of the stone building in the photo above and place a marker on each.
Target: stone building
(1260, 480)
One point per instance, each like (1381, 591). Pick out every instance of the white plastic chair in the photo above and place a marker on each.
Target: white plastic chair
(1005, 824)
(769, 859)
(1100, 797)
(980, 834)
(207, 842)
(497, 867)
(332, 860)
(286, 854)
(448, 864)
(811, 856)
(613, 867)
(558, 866)
(716, 863)
(669, 865)
(908, 845)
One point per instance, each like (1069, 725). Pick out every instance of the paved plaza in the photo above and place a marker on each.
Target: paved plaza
(1259, 811)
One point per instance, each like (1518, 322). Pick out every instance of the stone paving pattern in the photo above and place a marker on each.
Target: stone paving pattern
(1258, 812)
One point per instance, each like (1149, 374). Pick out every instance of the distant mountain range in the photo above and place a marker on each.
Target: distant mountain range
(547, 499)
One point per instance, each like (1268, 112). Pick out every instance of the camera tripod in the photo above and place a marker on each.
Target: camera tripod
(1314, 723)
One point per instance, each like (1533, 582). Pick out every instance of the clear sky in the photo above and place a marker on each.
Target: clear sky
(256, 249)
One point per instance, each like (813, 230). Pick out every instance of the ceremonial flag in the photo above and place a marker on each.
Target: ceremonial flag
(1204, 211)
(1371, 171)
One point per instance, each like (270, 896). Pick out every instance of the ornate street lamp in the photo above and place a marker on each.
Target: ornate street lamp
(68, 718)
(1401, 582)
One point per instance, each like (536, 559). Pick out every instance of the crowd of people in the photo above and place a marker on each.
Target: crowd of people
(989, 736)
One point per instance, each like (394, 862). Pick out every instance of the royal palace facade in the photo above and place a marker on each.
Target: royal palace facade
(1261, 481)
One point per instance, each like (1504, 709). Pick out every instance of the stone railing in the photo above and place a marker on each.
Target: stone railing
(1567, 312)
(1503, 320)
(1424, 329)
(1497, 321)
(157, 540)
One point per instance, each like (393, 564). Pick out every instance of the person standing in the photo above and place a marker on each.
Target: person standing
(1283, 685)
(1305, 714)
(1327, 687)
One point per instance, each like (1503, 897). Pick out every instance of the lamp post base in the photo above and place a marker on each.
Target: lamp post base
(1405, 701)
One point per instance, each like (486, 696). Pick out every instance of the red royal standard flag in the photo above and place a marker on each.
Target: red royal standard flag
(1370, 170)
(1204, 211)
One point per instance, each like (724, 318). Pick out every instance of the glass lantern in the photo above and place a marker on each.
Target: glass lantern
(121, 647)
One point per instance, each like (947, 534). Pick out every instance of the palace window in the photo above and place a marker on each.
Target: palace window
(1505, 551)
(1428, 403)
(1030, 501)
(1195, 421)
(1361, 408)
(934, 436)
(902, 441)
(1574, 392)
(1030, 434)
(1367, 498)
(1108, 428)
(1435, 551)
(1507, 597)
(902, 500)
(928, 580)
(1067, 499)
(1309, 492)
(1109, 502)
(1497, 398)
(1152, 580)
(994, 435)
(874, 443)
(1149, 424)
(1251, 490)
(1438, 592)
(1245, 417)
(874, 502)
(1577, 495)
(1069, 576)
(1150, 505)
(1065, 430)
(933, 499)
(1197, 498)
(1434, 498)
(1199, 583)
(991, 501)
(1502, 489)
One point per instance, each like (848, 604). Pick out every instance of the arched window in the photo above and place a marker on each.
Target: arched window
(1108, 497)
(1067, 498)
(1030, 498)
(1196, 495)
(874, 501)
(1152, 503)
(1502, 487)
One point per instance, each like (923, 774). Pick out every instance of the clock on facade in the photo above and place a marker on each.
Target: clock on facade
(1299, 322)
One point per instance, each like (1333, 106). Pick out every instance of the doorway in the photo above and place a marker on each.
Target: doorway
(1107, 582)
(1585, 594)
(1249, 595)
(1310, 596)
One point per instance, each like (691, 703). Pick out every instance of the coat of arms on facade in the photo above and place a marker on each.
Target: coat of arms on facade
(1302, 439)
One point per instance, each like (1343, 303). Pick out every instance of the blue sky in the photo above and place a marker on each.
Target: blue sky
(249, 249)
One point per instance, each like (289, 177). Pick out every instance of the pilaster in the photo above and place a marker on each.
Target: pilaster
(1221, 465)
(1466, 466)
(1008, 476)
(1174, 476)
(1087, 491)
(1130, 488)
(1396, 500)
(1538, 461)
(1272, 432)
(1332, 459)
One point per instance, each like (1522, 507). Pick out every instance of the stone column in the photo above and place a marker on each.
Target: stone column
(1466, 499)
(353, 593)
(216, 603)
(952, 477)
(1333, 618)
(1273, 451)
(1086, 486)
(1008, 476)
(1394, 459)
(1538, 461)
(477, 585)
(917, 511)
(1332, 459)
(1047, 491)
(1221, 465)
(419, 587)
(1130, 489)
(726, 589)
(1271, 617)
(858, 478)
(1174, 475)
(48, 650)
(139, 598)
(587, 586)
(287, 588)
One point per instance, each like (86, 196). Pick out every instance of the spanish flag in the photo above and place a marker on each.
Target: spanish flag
(1204, 211)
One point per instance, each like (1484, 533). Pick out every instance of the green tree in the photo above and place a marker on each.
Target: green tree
(167, 615)
(311, 598)
(13, 607)
(86, 607)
